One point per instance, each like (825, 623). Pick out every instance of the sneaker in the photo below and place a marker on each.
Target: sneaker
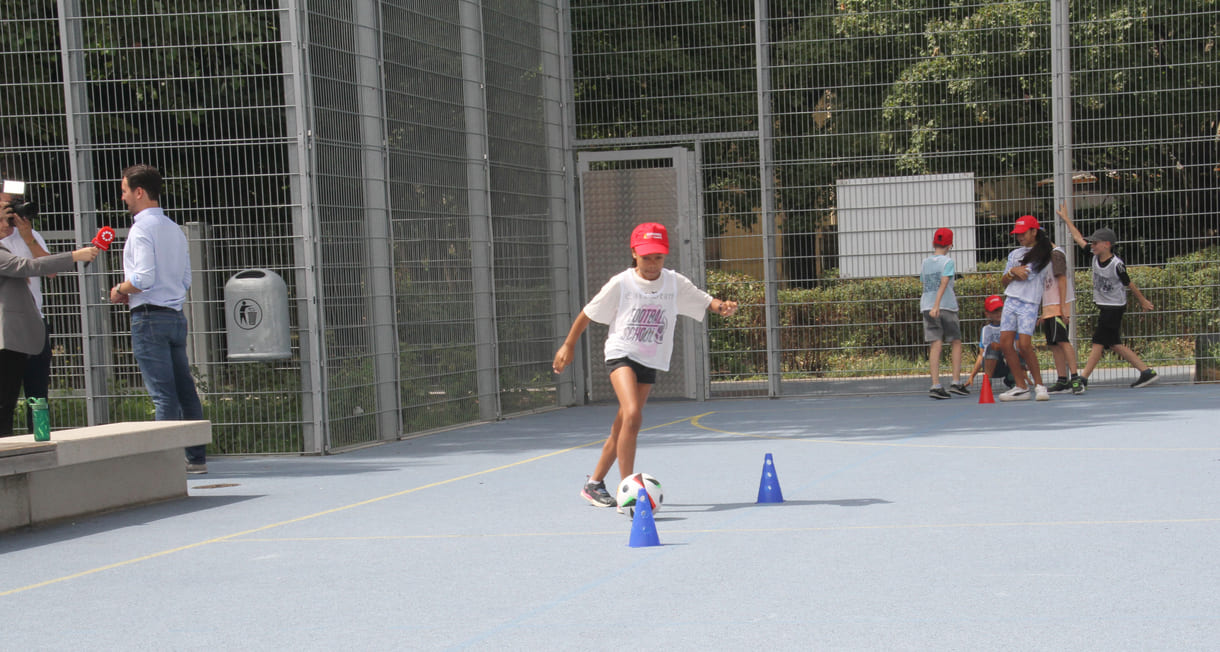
(1079, 385)
(196, 469)
(1061, 385)
(596, 494)
(1040, 393)
(1009, 381)
(1147, 377)
(1015, 394)
(959, 389)
(938, 392)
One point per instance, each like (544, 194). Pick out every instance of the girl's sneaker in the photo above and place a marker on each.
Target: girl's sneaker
(1040, 393)
(1015, 394)
(596, 494)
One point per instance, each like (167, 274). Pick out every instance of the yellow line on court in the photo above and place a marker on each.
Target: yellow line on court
(670, 531)
(695, 421)
(307, 517)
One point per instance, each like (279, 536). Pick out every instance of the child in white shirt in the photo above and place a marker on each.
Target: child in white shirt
(641, 306)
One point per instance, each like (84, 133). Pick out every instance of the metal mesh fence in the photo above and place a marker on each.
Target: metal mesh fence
(479, 212)
(406, 167)
(399, 164)
(95, 86)
(1108, 108)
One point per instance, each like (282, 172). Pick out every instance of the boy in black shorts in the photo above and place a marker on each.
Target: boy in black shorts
(1110, 286)
(1057, 298)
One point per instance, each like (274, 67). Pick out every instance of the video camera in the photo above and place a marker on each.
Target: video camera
(20, 205)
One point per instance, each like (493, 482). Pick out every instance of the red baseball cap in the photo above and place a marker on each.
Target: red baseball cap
(1025, 223)
(650, 238)
(993, 303)
(943, 237)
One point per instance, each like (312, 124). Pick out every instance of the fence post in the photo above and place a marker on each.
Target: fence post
(96, 348)
(482, 257)
(766, 189)
(299, 125)
(1061, 130)
(378, 237)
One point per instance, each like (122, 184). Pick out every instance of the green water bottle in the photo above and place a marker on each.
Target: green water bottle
(42, 420)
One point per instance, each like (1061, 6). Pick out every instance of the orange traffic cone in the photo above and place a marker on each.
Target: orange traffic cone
(985, 392)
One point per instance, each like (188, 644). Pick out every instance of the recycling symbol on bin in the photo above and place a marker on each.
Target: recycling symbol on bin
(249, 314)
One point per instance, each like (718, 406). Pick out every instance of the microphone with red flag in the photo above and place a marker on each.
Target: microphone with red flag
(104, 237)
(102, 240)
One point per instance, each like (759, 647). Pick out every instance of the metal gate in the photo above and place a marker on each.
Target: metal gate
(619, 190)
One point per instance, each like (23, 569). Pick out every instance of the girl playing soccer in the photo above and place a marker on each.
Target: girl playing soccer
(641, 306)
(1024, 280)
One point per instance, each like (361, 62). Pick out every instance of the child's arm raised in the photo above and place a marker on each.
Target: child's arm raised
(1062, 212)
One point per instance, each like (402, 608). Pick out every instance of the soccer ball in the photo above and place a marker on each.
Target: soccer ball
(629, 490)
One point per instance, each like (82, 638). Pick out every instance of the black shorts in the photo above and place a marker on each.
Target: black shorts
(1001, 368)
(1055, 330)
(1109, 325)
(643, 375)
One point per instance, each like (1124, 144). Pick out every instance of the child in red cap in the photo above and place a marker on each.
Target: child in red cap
(938, 303)
(641, 306)
(1024, 281)
(991, 358)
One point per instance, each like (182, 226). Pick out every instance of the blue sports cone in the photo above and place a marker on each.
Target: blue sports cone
(643, 529)
(768, 486)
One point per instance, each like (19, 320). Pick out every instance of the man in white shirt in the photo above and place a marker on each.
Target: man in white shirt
(156, 276)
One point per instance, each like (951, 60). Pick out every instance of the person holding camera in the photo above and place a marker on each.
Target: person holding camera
(24, 241)
(22, 331)
(156, 276)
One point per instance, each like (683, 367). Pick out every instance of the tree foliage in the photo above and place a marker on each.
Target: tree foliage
(862, 88)
(148, 79)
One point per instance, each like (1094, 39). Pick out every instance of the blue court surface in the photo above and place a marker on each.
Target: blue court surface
(1084, 523)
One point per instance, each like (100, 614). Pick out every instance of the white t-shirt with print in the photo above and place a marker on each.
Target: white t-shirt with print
(1030, 289)
(642, 314)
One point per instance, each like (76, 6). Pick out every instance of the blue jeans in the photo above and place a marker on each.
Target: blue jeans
(158, 341)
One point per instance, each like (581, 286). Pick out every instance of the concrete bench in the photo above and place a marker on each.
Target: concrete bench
(87, 470)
